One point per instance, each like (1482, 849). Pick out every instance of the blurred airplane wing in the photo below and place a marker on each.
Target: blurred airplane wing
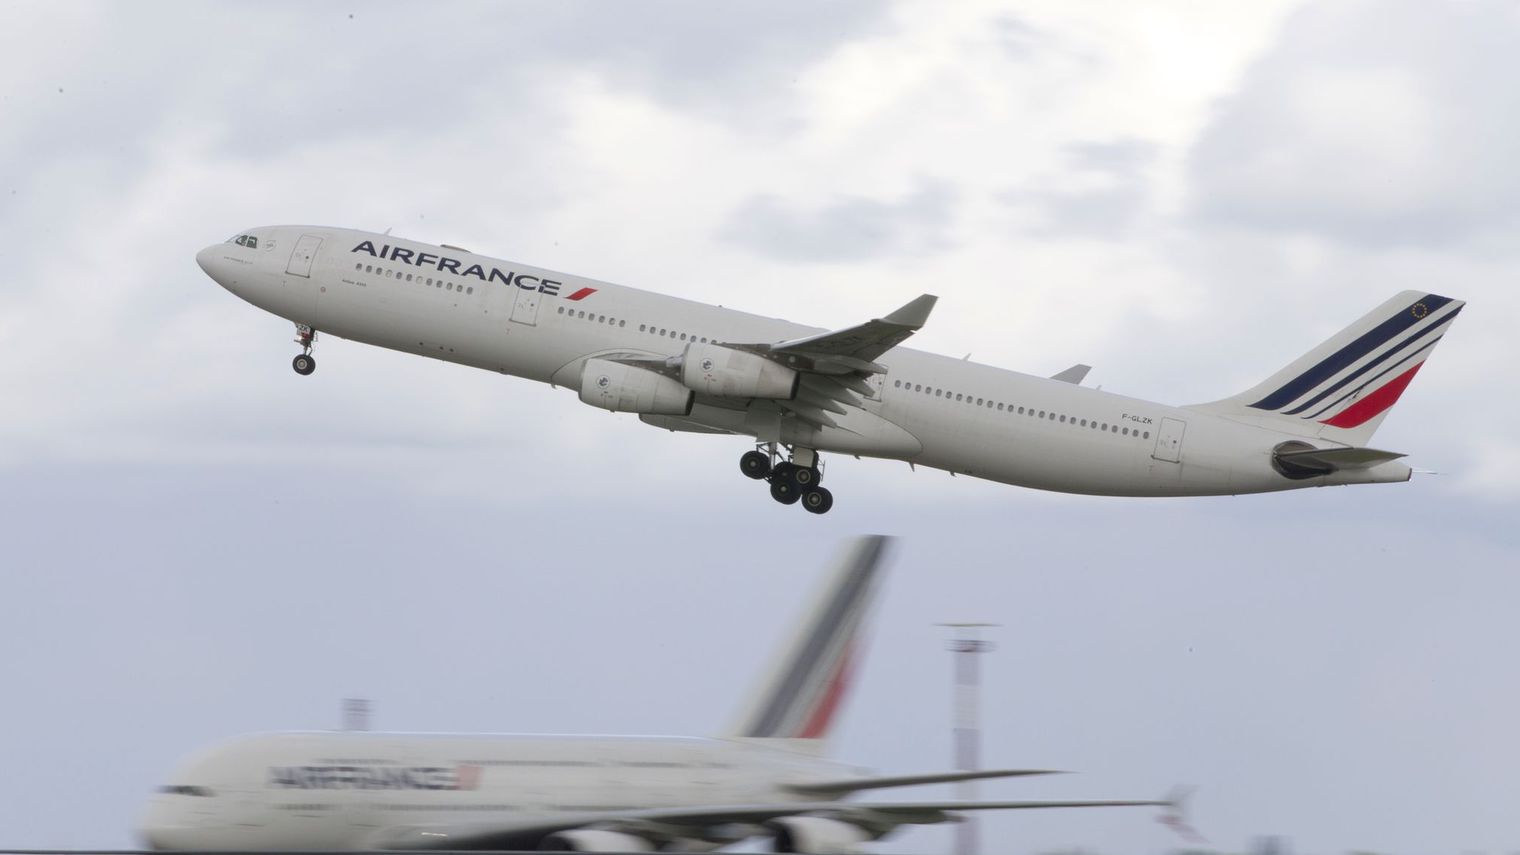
(721, 822)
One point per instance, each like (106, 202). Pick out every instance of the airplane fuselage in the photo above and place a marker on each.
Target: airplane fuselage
(926, 409)
(352, 790)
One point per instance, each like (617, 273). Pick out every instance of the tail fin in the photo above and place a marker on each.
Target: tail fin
(1344, 388)
(808, 680)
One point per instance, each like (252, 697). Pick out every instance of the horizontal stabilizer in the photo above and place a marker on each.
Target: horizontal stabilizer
(1335, 459)
(1074, 375)
(837, 788)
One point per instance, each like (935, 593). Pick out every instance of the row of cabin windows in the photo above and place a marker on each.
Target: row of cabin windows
(592, 317)
(1061, 418)
(410, 277)
(643, 328)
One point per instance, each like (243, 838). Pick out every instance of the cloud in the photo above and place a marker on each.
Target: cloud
(1101, 193)
(851, 228)
(1379, 123)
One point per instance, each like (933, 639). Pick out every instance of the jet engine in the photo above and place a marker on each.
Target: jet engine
(713, 369)
(624, 388)
(594, 840)
(817, 835)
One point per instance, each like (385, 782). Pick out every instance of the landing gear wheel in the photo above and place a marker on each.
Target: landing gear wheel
(805, 476)
(784, 472)
(755, 464)
(817, 500)
(784, 491)
(304, 364)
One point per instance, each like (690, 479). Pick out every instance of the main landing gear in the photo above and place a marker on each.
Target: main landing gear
(792, 481)
(304, 363)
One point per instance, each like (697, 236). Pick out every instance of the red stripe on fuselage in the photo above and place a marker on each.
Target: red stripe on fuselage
(1369, 407)
(581, 294)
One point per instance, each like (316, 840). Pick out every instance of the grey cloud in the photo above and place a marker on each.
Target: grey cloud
(1374, 122)
(847, 229)
(1103, 193)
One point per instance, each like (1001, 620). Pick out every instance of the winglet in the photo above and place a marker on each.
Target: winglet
(915, 314)
(1073, 375)
(1175, 815)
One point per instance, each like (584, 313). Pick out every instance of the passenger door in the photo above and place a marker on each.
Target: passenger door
(1169, 440)
(302, 256)
(525, 306)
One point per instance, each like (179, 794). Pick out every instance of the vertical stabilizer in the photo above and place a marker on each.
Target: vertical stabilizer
(808, 680)
(1343, 389)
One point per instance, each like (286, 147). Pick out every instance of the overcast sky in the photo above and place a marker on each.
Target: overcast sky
(198, 543)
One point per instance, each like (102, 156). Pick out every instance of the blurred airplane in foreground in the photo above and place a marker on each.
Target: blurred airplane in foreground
(688, 366)
(768, 778)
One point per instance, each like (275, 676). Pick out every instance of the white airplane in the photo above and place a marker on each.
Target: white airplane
(768, 778)
(688, 366)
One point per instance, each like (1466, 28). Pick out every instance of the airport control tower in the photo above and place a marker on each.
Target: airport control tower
(966, 704)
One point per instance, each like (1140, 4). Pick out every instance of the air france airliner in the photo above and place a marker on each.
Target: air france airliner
(797, 391)
(769, 778)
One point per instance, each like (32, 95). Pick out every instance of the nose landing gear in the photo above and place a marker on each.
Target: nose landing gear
(792, 481)
(304, 363)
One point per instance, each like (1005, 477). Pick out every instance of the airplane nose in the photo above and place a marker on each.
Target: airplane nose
(205, 258)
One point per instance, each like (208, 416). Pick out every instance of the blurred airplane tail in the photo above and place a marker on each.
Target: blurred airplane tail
(797, 703)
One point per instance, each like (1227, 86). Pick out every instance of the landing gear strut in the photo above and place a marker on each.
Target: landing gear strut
(304, 363)
(792, 481)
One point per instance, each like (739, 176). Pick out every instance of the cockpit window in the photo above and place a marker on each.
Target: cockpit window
(247, 240)
(184, 790)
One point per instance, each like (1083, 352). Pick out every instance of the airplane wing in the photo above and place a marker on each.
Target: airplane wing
(834, 365)
(851, 785)
(852, 349)
(725, 823)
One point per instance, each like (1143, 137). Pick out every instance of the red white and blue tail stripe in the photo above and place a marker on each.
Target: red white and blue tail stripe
(804, 691)
(1344, 388)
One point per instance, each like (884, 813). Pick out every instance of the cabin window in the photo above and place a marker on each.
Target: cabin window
(358, 265)
(641, 327)
(470, 290)
(622, 323)
(1147, 435)
(449, 287)
(369, 268)
(408, 277)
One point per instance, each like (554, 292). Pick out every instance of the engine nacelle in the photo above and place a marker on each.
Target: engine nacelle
(816, 835)
(627, 389)
(594, 840)
(713, 369)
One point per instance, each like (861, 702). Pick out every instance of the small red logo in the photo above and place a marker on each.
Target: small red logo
(467, 776)
(581, 294)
